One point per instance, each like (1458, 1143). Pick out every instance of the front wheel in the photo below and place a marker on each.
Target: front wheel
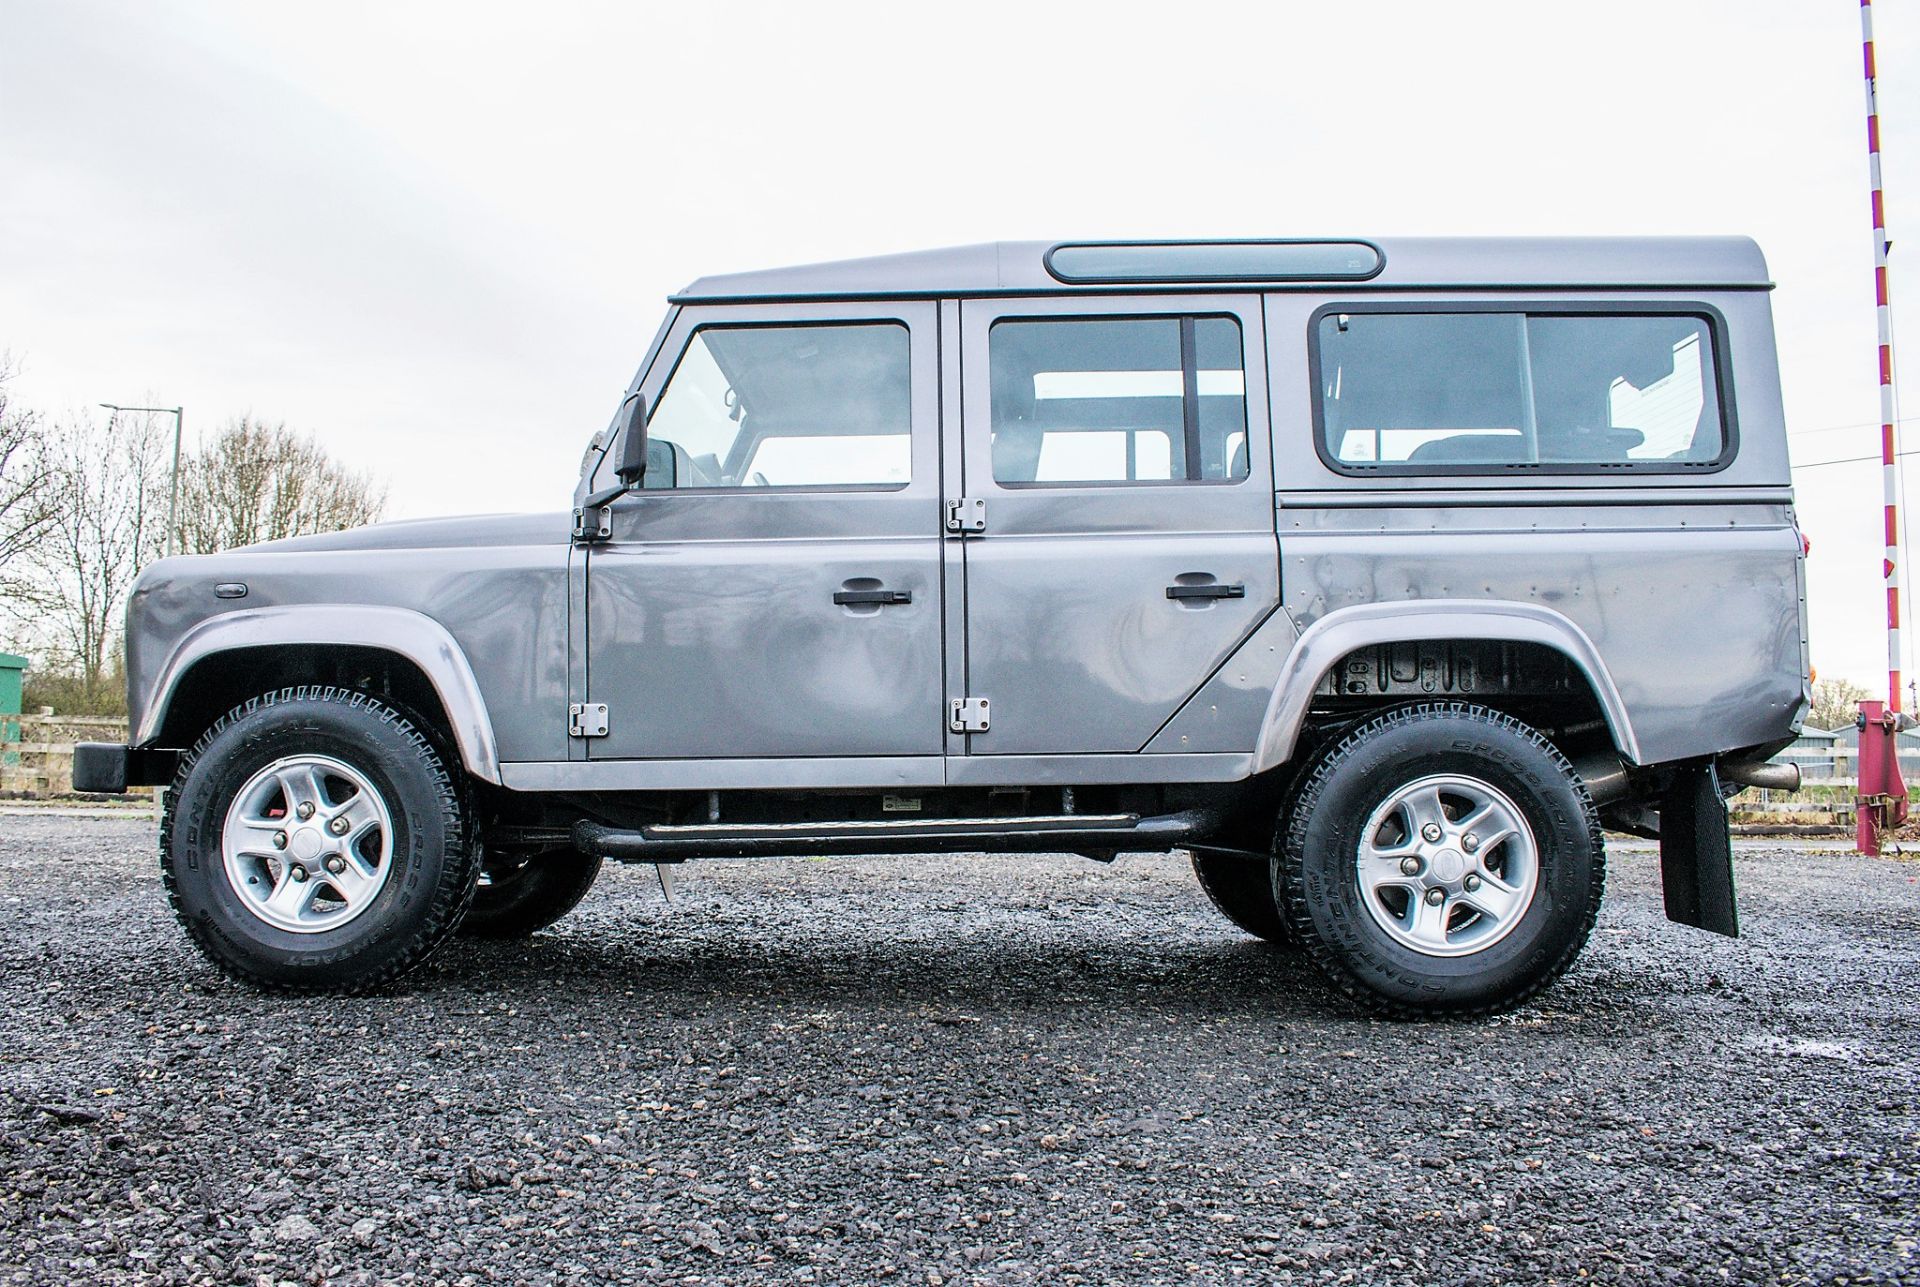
(315, 841)
(1442, 859)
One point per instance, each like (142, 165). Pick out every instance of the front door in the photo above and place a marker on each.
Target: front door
(1121, 447)
(774, 590)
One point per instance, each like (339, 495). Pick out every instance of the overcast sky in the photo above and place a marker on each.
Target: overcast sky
(440, 235)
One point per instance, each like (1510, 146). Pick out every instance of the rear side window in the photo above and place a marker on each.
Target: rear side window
(1492, 392)
(1118, 400)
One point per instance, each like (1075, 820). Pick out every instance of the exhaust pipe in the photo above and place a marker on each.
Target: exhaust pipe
(1604, 774)
(1760, 773)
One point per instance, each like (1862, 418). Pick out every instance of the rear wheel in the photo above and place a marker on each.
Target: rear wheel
(1442, 860)
(1242, 890)
(521, 894)
(315, 841)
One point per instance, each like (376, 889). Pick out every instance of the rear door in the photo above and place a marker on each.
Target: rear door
(1121, 447)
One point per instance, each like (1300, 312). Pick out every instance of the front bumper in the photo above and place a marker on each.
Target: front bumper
(107, 768)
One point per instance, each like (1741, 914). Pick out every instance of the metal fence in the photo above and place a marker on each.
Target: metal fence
(1829, 759)
(1827, 774)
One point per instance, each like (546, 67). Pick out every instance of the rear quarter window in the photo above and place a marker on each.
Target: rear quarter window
(1486, 391)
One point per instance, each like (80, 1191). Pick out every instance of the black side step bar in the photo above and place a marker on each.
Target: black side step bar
(1063, 833)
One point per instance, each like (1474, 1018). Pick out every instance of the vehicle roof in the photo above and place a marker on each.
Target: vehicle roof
(1412, 263)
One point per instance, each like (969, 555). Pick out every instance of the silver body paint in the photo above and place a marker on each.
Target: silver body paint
(706, 623)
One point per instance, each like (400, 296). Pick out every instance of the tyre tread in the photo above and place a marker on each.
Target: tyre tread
(457, 875)
(1234, 897)
(1292, 836)
(527, 917)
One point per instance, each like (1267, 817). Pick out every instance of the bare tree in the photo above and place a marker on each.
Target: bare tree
(1835, 703)
(26, 505)
(258, 482)
(109, 492)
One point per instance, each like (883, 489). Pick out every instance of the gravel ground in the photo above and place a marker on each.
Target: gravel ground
(953, 1071)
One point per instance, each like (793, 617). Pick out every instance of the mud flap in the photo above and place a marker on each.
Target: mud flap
(1696, 852)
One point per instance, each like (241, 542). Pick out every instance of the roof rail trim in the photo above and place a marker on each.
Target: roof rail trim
(988, 270)
(1321, 286)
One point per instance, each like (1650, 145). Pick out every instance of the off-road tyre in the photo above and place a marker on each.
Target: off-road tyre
(1242, 889)
(1314, 864)
(519, 896)
(435, 856)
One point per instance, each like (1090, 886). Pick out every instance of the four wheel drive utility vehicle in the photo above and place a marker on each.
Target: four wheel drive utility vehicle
(1376, 576)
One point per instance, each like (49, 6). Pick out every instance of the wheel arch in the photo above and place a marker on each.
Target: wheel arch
(1339, 634)
(226, 659)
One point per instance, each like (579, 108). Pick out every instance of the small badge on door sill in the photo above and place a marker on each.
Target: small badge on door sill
(900, 804)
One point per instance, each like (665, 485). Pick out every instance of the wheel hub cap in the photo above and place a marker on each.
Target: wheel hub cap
(1430, 887)
(308, 844)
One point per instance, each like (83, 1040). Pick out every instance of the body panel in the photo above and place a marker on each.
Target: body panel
(873, 772)
(711, 627)
(731, 773)
(1228, 711)
(1686, 586)
(1070, 631)
(1349, 629)
(494, 587)
(403, 631)
(1698, 625)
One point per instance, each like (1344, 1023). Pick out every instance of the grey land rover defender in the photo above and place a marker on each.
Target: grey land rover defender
(1378, 577)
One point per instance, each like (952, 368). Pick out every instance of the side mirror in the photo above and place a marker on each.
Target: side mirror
(633, 443)
(593, 519)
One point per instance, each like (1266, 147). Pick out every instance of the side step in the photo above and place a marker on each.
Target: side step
(1100, 833)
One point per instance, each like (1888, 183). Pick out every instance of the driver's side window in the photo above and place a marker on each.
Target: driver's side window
(785, 406)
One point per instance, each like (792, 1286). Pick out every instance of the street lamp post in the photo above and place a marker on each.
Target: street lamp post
(173, 485)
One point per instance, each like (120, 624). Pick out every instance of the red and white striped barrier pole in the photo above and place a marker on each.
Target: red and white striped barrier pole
(1883, 795)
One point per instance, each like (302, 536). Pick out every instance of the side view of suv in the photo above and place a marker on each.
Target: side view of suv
(1377, 577)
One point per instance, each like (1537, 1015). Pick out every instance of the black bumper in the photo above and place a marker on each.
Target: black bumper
(107, 768)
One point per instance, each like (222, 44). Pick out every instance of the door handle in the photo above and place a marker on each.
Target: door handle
(872, 596)
(1206, 591)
